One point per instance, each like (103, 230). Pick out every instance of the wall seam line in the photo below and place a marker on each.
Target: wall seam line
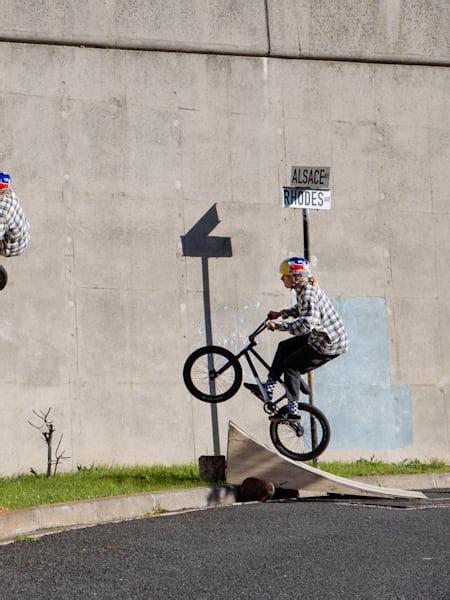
(266, 8)
(256, 54)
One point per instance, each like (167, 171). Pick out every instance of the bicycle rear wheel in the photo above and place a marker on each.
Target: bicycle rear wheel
(294, 439)
(212, 374)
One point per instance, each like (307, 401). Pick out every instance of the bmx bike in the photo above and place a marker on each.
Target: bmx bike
(214, 374)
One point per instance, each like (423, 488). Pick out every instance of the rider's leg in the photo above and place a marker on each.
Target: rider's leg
(284, 349)
(302, 361)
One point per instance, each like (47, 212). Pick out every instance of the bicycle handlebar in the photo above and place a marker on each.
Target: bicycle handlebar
(257, 331)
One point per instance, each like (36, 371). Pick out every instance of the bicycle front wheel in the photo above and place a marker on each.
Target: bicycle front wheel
(294, 439)
(212, 374)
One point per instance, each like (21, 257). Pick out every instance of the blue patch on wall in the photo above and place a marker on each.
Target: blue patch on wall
(365, 410)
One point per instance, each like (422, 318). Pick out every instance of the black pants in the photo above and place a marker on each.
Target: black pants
(293, 358)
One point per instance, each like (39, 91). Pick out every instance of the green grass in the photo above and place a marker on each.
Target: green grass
(96, 482)
(363, 467)
(100, 481)
(25, 539)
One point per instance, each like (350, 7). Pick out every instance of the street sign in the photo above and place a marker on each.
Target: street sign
(313, 178)
(297, 197)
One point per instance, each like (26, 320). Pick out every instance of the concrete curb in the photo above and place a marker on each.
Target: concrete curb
(421, 481)
(53, 517)
(48, 518)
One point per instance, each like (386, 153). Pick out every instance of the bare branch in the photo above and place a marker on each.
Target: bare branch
(59, 456)
(59, 444)
(47, 435)
(46, 415)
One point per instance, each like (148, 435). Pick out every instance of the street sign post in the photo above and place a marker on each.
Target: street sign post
(309, 189)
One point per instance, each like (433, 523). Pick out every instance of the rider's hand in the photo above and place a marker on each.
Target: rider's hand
(273, 314)
(272, 325)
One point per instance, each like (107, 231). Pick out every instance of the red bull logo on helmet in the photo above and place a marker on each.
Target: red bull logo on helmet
(5, 180)
(296, 265)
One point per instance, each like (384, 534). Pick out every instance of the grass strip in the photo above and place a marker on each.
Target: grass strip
(94, 482)
(367, 467)
(100, 481)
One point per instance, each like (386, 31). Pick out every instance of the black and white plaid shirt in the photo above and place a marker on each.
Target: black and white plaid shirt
(315, 315)
(14, 227)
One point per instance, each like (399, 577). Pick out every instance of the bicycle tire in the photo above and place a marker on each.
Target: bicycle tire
(294, 440)
(201, 382)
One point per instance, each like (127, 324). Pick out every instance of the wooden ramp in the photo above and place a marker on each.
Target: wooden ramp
(249, 458)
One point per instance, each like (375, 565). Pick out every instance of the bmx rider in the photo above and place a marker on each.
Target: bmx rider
(318, 336)
(14, 227)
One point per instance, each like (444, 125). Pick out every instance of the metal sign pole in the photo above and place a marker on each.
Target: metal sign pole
(306, 252)
(309, 189)
(305, 212)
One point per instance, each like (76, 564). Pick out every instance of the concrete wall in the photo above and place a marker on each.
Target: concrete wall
(383, 30)
(117, 152)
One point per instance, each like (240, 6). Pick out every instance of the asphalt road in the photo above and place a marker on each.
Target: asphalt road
(272, 550)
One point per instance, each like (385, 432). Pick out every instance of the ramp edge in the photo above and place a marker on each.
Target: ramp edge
(350, 484)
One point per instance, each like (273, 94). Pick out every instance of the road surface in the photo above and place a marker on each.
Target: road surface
(291, 549)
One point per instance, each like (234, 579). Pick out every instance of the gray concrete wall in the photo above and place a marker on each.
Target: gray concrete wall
(117, 153)
(381, 30)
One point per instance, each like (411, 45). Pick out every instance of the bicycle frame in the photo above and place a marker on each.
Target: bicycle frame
(196, 376)
(268, 406)
(247, 351)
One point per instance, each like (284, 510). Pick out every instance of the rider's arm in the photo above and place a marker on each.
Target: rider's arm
(283, 314)
(289, 312)
(308, 314)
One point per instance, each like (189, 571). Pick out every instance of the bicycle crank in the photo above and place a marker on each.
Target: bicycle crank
(270, 408)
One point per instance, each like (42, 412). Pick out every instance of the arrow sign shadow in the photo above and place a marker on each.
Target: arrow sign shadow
(198, 243)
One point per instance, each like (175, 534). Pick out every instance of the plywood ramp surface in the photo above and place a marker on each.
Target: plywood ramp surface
(249, 458)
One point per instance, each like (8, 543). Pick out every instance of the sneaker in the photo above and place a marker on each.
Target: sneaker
(284, 415)
(255, 389)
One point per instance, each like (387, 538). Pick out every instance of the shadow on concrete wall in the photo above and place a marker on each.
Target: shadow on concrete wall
(198, 243)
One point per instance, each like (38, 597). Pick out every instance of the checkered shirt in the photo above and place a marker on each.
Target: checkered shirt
(315, 315)
(14, 227)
